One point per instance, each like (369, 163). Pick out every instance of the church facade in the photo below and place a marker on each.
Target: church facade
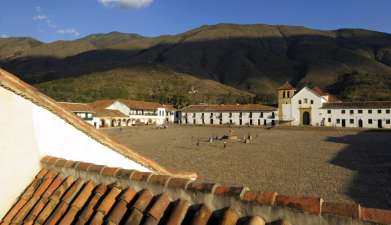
(313, 107)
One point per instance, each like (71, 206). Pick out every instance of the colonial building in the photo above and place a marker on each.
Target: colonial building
(317, 108)
(32, 126)
(249, 114)
(141, 112)
(357, 114)
(82, 110)
(104, 118)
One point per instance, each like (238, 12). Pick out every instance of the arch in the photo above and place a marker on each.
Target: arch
(360, 123)
(102, 123)
(129, 123)
(113, 123)
(119, 122)
(306, 118)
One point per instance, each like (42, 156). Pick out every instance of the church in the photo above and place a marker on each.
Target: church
(313, 107)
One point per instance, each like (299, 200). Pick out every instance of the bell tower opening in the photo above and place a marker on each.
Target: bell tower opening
(284, 96)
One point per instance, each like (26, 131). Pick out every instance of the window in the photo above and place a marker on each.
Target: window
(360, 111)
(251, 122)
(370, 121)
(329, 111)
(387, 121)
(251, 115)
(343, 111)
(283, 94)
(202, 115)
(230, 114)
(312, 102)
(273, 115)
(369, 111)
(352, 121)
(261, 115)
(211, 114)
(329, 120)
(193, 114)
(351, 111)
(338, 120)
(387, 111)
(230, 121)
(240, 114)
(379, 111)
(299, 102)
(288, 94)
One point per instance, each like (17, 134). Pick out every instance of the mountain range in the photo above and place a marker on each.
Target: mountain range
(221, 63)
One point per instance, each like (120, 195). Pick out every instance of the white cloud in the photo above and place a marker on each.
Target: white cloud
(69, 31)
(128, 4)
(4, 36)
(40, 17)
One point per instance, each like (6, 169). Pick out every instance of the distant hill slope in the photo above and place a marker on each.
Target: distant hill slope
(354, 64)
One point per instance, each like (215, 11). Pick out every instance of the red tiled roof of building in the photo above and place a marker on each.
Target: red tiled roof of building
(68, 192)
(108, 113)
(26, 91)
(358, 105)
(134, 104)
(229, 108)
(286, 86)
(77, 107)
(102, 104)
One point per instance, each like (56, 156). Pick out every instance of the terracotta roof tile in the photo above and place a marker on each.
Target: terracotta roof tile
(93, 198)
(358, 105)
(307, 204)
(77, 107)
(286, 86)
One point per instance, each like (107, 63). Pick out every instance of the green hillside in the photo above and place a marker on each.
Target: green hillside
(351, 63)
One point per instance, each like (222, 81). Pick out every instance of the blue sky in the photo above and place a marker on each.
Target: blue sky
(49, 20)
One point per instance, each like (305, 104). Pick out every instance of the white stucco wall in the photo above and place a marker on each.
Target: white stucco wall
(352, 118)
(257, 118)
(29, 132)
(318, 101)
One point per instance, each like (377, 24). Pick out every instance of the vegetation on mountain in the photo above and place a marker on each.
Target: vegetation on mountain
(228, 62)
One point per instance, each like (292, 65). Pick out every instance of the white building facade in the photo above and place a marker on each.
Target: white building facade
(239, 115)
(313, 107)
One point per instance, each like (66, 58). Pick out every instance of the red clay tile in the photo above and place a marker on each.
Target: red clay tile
(159, 206)
(109, 200)
(83, 166)
(109, 171)
(230, 190)
(47, 180)
(202, 187)
(341, 209)
(70, 164)
(159, 180)
(135, 217)
(14, 210)
(95, 169)
(57, 214)
(376, 215)
(179, 183)
(264, 198)
(97, 219)
(56, 196)
(72, 191)
(60, 163)
(88, 210)
(306, 204)
(143, 200)
(202, 215)
(120, 207)
(230, 217)
(178, 213)
(141, 176)
(84, 194)
(256, 220)
(124, 174)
